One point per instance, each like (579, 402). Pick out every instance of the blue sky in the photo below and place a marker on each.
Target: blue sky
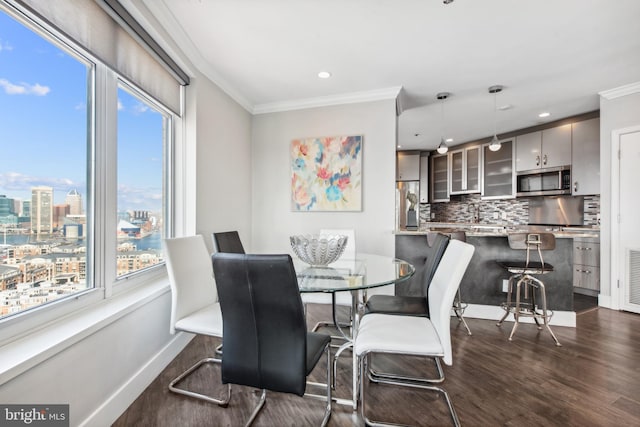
(43, 125)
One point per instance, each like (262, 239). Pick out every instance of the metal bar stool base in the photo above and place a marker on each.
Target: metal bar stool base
(527, 309)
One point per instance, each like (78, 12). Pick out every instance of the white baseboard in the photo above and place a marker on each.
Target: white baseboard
(119, 401)
(605, 301)
(494, 312)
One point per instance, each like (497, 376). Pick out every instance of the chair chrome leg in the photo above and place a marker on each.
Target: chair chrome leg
(346, 346)
(254, 414)
(374, 423)
(375, 376)
(224, 401)
(327, 413)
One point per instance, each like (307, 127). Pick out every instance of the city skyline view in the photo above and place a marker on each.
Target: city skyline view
(43, 114)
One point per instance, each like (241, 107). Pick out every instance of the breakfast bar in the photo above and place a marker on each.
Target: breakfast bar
(483, 286)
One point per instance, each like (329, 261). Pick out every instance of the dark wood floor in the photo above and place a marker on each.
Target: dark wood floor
(592, 380)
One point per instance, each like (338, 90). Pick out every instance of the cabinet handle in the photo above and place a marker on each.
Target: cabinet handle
(537, 160)
(575, 186)
(544, 160)
(583, 271)
(583, 249)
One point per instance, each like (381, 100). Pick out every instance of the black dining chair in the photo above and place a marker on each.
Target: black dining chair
(227, 241)
(425, 258)
(265, 338)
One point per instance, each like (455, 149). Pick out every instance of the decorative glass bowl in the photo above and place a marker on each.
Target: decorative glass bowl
(318, 250)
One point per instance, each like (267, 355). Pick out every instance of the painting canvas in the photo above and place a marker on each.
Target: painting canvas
(326, 174)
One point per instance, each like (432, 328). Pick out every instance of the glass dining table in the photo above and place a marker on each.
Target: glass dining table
(356, 276)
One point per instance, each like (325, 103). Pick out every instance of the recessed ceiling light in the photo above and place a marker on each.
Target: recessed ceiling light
(505, 107)
(324, 74)
(543, 115)
(448, 140)
(399, 146)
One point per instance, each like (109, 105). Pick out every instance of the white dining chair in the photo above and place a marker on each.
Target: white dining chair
(416, 336)
(194, 301)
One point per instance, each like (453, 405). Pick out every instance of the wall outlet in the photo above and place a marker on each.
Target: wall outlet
(505, 285)
(433, 215)
(504, 215)
(495, 215)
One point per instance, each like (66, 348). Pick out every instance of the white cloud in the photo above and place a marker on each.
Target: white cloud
(140, 108)
(23, 88)
(15, 181)
(5, 46)
(120, 106)
(139, 198)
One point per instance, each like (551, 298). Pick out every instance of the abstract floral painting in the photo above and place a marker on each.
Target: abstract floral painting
(326, 174)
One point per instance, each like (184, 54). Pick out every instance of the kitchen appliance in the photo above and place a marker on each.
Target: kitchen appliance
(542, 182)
(558, 210)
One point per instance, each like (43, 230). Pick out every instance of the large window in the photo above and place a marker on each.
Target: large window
(83, 171)
(44, 99)
(142, 130)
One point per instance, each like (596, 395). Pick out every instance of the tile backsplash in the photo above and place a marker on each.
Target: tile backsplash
(504, 211)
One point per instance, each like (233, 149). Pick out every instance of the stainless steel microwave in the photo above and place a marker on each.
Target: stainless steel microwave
(544, 182)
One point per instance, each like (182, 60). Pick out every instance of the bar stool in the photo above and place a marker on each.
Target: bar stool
(522, 274)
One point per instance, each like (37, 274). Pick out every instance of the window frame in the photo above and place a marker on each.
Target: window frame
(101, 249)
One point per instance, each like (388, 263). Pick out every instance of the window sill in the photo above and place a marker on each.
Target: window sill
(24, 353)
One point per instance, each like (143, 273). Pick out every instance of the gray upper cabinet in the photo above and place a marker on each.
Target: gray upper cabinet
(407, 166)
(498, 179)
(464, 171)
(585, 163)
(544, 149)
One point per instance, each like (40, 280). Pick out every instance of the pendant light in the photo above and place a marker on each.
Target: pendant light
(442, 148)
(495, 145)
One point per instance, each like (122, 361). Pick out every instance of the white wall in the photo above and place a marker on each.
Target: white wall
(272, 219)
(223, 179)
(615, 114)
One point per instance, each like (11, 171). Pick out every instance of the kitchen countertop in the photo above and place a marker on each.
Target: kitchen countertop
(487, 230)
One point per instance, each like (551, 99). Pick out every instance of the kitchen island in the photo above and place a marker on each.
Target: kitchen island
(482, 284)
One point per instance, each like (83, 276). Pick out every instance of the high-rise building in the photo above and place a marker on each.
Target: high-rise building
(74, 200)
(6, 206)
(60, 212)
(26, 208)
(42, 210)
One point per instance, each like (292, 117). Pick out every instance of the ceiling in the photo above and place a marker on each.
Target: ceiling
(550, 56)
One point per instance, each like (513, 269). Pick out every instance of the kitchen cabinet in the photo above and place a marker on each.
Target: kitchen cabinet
(585, 157)
(586, 265)
(407, 166)
(464, 171)
(498, 179)
(440, 178)
(544, 149)
(424, 177)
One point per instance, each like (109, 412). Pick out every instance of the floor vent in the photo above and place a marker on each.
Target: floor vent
(634, 276)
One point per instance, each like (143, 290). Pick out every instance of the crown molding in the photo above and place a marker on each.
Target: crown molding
(325, 101)
(165, 18)
(161, 13)
(620, 91)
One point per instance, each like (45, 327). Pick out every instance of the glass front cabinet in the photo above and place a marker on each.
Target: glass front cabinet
(464, 170)
(439, 178)
(498, 177)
